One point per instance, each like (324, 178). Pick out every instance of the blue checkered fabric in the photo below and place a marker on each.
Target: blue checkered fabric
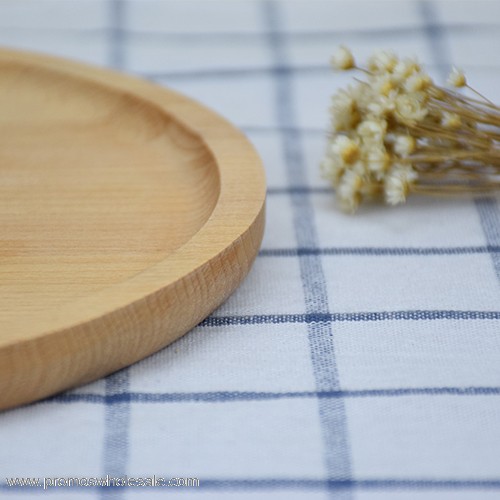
(360, 359)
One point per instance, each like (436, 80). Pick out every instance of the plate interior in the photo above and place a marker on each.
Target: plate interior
(96, 186)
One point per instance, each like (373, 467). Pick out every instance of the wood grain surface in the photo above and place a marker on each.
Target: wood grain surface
(127, 214)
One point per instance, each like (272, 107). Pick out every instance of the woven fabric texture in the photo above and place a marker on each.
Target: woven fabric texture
(360, 359)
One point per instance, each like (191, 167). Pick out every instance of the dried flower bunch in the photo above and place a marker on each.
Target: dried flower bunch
(397, 132)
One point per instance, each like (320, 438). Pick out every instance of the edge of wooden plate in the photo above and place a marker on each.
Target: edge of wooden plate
(123, 323)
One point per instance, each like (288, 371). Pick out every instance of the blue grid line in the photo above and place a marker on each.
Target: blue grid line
(331, 411)
(237, 37)
(116, 34)
(300, 190)
(309, 36)
(435, 35)
(292, 484)
(348, 484)
(245, 72)
(237, 396)
(117, 416)
(382, 251)
(489, 213)
(264, 129)
(410, 315)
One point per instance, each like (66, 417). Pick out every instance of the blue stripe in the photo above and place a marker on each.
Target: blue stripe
(331, 410)
(117, 416)
(349, 484)
(243, 72)
(246, 72)
(290, 484)
(116, 33)
(263, 129)
(412, 315)
(489, 213)
(326, 36)
(435, 35)
(300, 190)
(237, 396)
(381, 251)
(214, 38)
(117, 420)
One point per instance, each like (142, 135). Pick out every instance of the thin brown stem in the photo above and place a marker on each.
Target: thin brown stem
(455, 96)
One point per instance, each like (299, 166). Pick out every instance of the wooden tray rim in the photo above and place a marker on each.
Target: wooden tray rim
(215, 236)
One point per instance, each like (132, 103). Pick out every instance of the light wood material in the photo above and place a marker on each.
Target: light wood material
(127, 214)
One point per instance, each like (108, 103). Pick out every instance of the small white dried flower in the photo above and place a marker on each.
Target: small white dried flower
(372, 130)
(409, 110)
(345, 148)
(332, 168)
(417, 82)
(342, 59)
(349, 191)
(404, 69)
(378, 161)
(384, 84)
(457, 78)
(344, 110)
(451, 120)
(382, 62)
(397, 184)
(404, 145)
(381, 106)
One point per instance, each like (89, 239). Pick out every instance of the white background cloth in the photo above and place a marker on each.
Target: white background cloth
(360, 359)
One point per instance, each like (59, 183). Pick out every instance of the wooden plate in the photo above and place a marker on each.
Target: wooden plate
(127, 213)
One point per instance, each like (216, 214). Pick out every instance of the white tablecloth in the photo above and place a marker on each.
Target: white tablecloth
(360, 359)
